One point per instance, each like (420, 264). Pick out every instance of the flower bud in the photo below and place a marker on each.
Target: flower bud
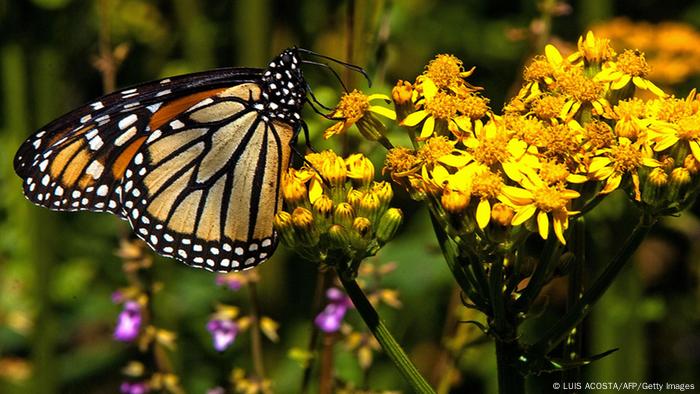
(680, 178)
(323, 211)
(306, 232)
(389, 224)
(334, 170)
(344, 215)
(360, 169)
(283, 225)
(369, 206)
(293, 191)
(653, 189)
(338, 236)
(355, 197)
(384, 192)
(362, 232)
(454, 201)
(502, 214)
(691, 164)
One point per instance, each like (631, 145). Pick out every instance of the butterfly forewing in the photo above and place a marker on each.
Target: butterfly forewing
(77, 161)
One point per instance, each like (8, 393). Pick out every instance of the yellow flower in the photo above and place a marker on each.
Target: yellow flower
(444, 72)
(593, 50)
(623, 159)
(630, 66)
(541, 200)
(580, 90)
(353, 108)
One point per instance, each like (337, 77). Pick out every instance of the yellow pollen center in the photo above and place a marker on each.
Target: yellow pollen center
(630, 109)
(473, 106)
(548, 106)
(598, 134)
(633, 63)
(353, 105)
(625, 158)
(435, 148)
(400, 160)
(671, 109)
(492, 150)
(444, 70)
(487, 185)
(552, 172)
(442, 106)
(538, 70)
(689, 128)
(548, 199)
(580, 88)
(558, 141)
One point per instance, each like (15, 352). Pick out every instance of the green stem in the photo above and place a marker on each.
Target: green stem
(510, 380)
(384, 337)
(572, 347)
(581, 309)
(538, 279)
(256, 338)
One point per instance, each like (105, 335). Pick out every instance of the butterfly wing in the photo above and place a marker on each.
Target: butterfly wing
(77, 161)
(204, 188)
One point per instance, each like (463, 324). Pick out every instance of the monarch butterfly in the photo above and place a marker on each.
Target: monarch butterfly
(192, 162)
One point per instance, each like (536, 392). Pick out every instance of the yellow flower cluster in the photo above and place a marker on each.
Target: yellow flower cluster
(572, 134)
(335, 210)
(673, 48)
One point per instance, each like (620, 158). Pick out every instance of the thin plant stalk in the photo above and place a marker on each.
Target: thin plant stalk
(323, 278)
(384, 337)
(255, 336)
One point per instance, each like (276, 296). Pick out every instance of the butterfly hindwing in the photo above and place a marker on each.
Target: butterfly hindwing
(205, 186)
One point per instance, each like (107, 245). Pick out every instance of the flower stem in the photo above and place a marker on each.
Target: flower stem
(384, 337)
(255, 337)
(580, 309)
(510, 380)
(323, 278)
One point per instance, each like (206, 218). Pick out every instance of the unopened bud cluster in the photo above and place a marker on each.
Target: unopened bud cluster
(334, 210)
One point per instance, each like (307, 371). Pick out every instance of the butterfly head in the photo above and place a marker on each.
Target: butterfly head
(284, 86)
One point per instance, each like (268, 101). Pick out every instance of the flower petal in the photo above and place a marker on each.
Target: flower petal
(543, 224)
(414, 118)
(523, 215)
(428, 127)
(385, 112)
(483, 213)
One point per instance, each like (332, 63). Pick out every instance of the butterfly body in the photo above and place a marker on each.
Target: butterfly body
(192, 162)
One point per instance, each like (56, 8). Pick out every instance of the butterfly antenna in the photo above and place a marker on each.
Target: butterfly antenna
(342, 63)
(324, 65)
(313, 97)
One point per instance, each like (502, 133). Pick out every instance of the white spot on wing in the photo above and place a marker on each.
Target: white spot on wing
(154, 107)
(176, 124)
(95, 169)
(96, 143)
(128, 121)
(125, 136)
(102, 191)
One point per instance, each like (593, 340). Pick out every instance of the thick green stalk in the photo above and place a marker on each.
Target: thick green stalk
(580, 310)
(384, 337)
(510, 380)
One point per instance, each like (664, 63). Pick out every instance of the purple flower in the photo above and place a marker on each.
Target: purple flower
(216, 390)
(233, 282)
(128, 322)
(331, 317)
(134, 388)
(223, 333)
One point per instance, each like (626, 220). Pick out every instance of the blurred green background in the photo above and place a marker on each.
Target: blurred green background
(58, 270)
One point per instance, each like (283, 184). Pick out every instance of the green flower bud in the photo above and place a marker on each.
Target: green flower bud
(369, 207)
(680, 179)
(389, 224)
(338, 236)
(653, 190)
(323, 212)
(344, 215)
(354, 197)
(384, 192)
(306, 233)
(284, 227)
(362, 233)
